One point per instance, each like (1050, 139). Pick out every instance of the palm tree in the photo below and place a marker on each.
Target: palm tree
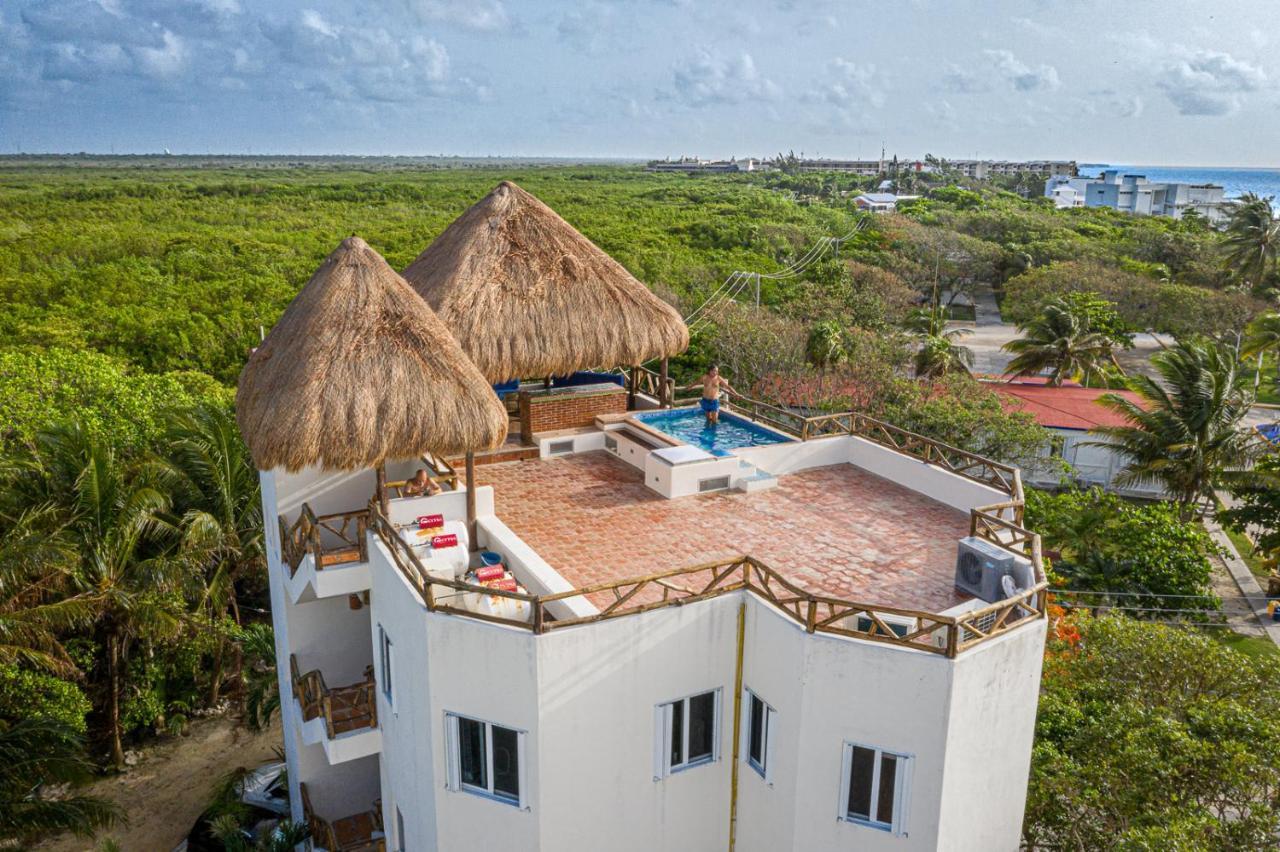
(1060, 341)
(1186, 432)
(36, 755)
(114, 523)
(285, 837)
(35, 570)
(262, 687)
(1252, 240)
(1262, 336)
(939, 353)
(214, 484)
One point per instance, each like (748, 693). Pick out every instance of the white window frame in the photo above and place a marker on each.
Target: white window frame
(662, 715)
(453, 757)
(769, 718)
(901, 789)
(386, 662)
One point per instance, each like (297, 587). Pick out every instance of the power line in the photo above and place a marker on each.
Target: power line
(795, 268)
(1138, 594)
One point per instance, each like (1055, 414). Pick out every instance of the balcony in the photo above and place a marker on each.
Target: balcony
(343, 719)
(361, 832)
(327, 554)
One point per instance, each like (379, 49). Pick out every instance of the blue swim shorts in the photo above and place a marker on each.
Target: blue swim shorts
(709, 405)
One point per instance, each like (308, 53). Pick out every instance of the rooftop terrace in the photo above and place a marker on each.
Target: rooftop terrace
(836, 530)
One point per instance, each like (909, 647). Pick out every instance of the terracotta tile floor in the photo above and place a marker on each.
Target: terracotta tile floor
(836, 530)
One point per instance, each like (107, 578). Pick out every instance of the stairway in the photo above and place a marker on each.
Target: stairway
(750, 478)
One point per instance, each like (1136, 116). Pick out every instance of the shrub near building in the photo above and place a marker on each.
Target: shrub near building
(1153, 737)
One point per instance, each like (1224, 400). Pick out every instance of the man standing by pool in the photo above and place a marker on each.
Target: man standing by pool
(711, 383)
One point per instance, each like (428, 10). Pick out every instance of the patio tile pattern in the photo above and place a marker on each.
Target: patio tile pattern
(834, 530)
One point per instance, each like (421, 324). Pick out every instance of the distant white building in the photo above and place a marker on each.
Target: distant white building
(1065, 196)
(1135, 194)
(694, 164)
(877, 202)
(984, 169)
(866, 168)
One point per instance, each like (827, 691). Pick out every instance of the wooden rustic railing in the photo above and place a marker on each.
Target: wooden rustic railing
(643, 380)
(441, 471)
(1003, 477)
(345, 530)
(317, 700)
(349, 834)
(934, 633)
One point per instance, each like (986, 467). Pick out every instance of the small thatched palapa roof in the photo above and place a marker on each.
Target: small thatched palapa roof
(359, 371)
(527, 295)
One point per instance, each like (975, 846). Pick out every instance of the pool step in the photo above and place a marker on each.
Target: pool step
(758, 481)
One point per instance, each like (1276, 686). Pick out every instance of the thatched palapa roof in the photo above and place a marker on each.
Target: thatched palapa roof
(527, 295)
(359, 371)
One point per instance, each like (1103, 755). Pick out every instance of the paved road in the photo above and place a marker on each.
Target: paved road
(988, 334)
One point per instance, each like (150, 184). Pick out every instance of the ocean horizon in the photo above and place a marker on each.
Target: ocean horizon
(1235, 180)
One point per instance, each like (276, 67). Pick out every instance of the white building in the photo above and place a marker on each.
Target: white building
(693, 164)
(1135, 194)
(1070, 413)
(798, 637)
(608, 720)
(878, 202)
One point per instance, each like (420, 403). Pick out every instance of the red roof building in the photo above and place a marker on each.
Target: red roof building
(1067, 407)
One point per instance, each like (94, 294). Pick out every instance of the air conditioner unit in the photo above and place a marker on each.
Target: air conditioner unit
(901, 625)
(982, 566)
(985, 623)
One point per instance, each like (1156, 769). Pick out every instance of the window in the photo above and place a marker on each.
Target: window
(384, 657)
(484, 758)
(688, 733)
(874, 787)
(759, 732)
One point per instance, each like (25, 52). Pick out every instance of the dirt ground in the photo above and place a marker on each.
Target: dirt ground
(168, 789)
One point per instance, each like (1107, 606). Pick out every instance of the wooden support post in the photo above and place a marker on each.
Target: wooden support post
(471, 501)
(381, 493)
(737, 729)
(664, 399)
(632, 386)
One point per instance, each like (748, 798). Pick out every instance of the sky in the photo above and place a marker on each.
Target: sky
(1172, 82)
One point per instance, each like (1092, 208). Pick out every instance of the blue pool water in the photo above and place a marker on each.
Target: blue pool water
(690, 426)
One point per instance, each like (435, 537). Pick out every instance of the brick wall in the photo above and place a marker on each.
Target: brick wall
(539, 413)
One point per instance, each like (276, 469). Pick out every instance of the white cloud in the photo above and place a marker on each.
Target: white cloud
(587, 28)
(1021, 76)
(963, 81)
(708, 78)
(314, 21)
(432, 57)
(481, 15)
(850, 83)
(1208, 82)
(166, 61)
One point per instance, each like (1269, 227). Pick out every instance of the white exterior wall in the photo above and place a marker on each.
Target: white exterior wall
(1091, 465)
(444, 663)
(991, 728)
(970, 743)
(586, 698)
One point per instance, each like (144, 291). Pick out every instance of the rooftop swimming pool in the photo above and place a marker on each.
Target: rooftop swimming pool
(690, 425)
